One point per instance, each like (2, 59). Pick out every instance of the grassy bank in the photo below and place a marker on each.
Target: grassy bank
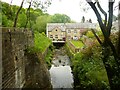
(88, 69)
(77, 44)
(43, 46)
(41, 41)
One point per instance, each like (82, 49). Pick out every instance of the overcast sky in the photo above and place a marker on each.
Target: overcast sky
(70, 8)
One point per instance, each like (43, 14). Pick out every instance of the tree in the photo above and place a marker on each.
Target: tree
(114, 18)
(36, 4)
(60, 18)
(90, 21)
(113, 72)
(41, 23)
(21, 20)
(16, 17)
(83, 19)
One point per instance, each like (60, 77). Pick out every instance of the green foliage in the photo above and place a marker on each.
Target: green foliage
(60, 18)
(37, 20)
(89, 34)
(77, 44)
(22, 20)
(0, 18)
(49, 56)
(88, 69)
(6, 22)
(9, 13)
(41, 42)
(41, 23)
(69, 51)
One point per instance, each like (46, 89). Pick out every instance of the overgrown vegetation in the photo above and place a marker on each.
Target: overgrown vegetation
(41, 41)
(42, 46)
(49, 56)
(88, 69)
(87, 65)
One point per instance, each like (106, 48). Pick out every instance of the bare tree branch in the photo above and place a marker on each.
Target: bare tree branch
(102, 26)
(16, 17)
(28, 14)
(98, 39)
(105, 14)
(110, 19)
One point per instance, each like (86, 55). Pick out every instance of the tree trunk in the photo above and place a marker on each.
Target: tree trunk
(113, 72)
(16, 17)
(28, 14)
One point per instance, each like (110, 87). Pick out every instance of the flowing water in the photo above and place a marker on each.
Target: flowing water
(60, 72)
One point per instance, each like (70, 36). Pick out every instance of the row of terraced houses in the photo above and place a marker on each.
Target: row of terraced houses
(60, 32)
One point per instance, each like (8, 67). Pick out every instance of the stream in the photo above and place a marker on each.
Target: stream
(60, 72)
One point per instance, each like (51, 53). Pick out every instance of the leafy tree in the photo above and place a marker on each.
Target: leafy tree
(35, 3)
(21, 20)
(90, 21)
(41, 23)
(60, 18)
(6, 10)
(83, 19)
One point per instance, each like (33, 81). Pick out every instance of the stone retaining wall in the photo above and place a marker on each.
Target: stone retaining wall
(18, 69)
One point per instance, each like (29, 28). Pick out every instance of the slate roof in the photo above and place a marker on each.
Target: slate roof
(63, 26)
(51, 26)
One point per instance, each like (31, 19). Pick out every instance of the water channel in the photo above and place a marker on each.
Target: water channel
(60, 72)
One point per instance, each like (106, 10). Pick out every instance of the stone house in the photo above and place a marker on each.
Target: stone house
(56, 31)
(59, 32)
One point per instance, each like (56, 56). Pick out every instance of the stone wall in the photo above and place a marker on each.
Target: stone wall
(21, 69)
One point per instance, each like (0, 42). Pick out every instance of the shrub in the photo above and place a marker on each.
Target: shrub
(88, 69)
(41, 41)
(89, 34)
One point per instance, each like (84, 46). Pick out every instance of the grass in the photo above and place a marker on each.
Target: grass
(41, 42)
(77, 44)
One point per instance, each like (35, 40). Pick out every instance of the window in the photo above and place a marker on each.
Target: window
(69, 31)
(75, 31)
(56, 36)
(51, 36)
